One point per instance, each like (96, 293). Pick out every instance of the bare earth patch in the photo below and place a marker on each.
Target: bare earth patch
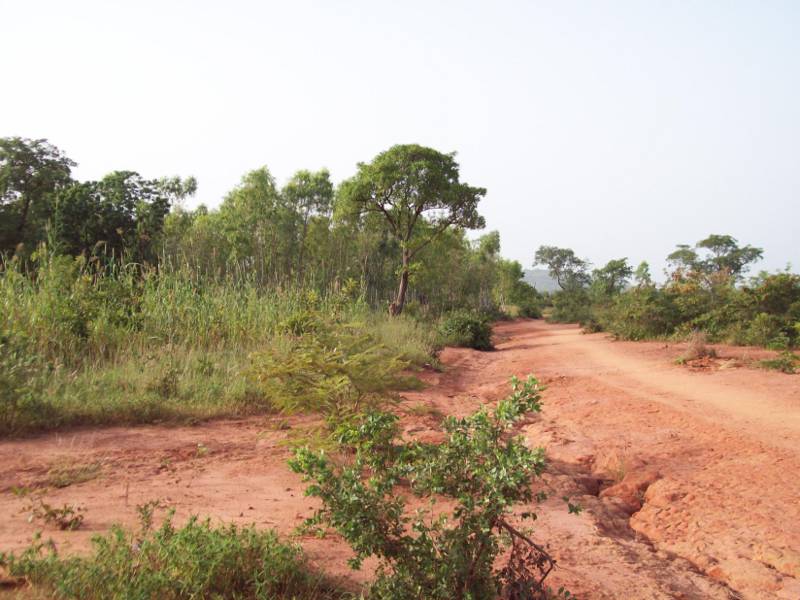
(688, 477)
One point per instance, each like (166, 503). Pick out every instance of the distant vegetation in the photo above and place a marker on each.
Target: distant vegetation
(117, 305)
(706, 291)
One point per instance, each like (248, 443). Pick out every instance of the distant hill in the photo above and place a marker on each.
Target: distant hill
(539, 279)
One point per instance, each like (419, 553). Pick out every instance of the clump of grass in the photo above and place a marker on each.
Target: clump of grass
(786, 362)
(412, 340)
(697, 348)
(66, 474)
(425, 410)
(175, 563)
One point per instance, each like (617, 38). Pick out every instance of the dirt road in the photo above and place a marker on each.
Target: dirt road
(689, 480)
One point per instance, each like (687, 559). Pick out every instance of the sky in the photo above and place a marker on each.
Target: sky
(619, 129)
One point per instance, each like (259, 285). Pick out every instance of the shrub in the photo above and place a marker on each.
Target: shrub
(193, 561)
(640, 313)
(786, 362)
(762, 330)
(337, 371)
(467, 330)
(481, 468)
(571, 306)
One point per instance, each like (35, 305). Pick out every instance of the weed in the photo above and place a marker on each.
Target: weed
(66, 518)
(202, 450)
(165, 384)
(123, 347)
(787, 362)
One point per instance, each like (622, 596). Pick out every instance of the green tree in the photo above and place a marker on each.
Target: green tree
(725, 255)
(122, 214)
(258, 225)
(613, 277)
(31, 171)
(409, 184)
(569, 271)
(682, 260)
(309, 194)
(715, 256)
(642, 274)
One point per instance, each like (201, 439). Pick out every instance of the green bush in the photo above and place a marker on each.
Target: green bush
(193, 561)
(640, 313)
(436, 553)
(339, 370)
(571, 306)
(786, 362)
(466, 329)
(762, 330)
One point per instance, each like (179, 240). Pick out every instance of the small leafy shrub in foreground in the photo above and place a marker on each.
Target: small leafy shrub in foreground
(467, 330)
(481, 471)
(169, 563)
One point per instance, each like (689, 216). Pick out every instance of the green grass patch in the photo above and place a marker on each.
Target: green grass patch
(196, 560)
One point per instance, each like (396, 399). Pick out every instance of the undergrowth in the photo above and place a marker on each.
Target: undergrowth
(196, 560)
(82, 344)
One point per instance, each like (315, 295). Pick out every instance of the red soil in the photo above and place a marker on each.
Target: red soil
(688, 476)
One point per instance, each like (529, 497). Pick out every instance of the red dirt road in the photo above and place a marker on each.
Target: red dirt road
(689, 480)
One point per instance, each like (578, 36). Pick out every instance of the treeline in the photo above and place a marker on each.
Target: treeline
(396, 229)
(706, 290)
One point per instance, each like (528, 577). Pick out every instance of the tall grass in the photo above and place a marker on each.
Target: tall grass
(85, 343)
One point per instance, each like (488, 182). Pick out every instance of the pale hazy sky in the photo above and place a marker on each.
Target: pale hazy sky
(615, 128)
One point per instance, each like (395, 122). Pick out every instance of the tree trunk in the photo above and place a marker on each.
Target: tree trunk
(396, 307)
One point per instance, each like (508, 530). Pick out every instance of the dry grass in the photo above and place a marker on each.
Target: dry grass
(697, 348)
(65, 474)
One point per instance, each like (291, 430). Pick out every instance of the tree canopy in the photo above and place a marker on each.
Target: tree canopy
(31, 171)
(564, 266)
(714, 255)
(408, 185)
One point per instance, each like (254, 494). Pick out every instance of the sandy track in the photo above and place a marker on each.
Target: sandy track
(689, 480)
